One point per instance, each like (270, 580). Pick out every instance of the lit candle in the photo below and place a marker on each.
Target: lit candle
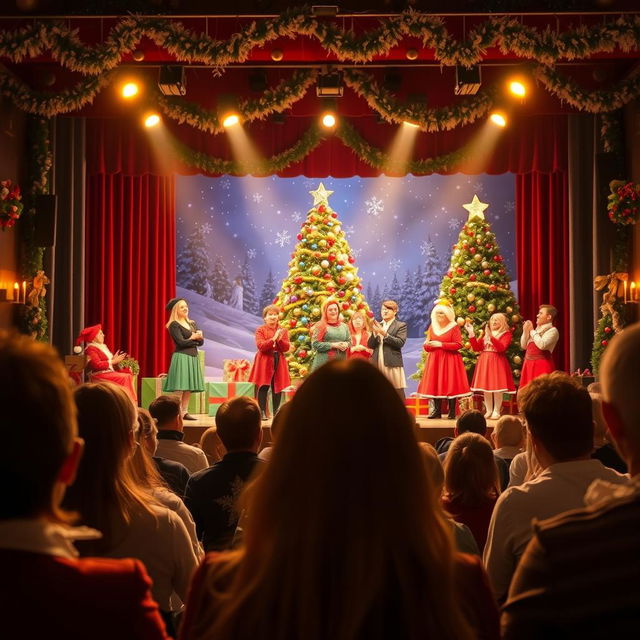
(625, 291)
(16, 292)
(24, 291)
(633, 296)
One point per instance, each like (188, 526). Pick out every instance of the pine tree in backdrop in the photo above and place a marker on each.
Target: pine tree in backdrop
(477, 284)
(249, 298)
(321, 266)
(268, 293)
(406, 303)
(193, 264)
(219, 281)
(428, 288)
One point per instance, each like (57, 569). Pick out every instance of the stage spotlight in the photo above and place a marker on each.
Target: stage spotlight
(328, 120)
(230, 120)
(151, 120)
(413, 125)
(130, 90)
(330, 85)
(518, 88)
(498, 118)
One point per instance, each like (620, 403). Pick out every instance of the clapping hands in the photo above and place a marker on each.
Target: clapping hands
(118, 357)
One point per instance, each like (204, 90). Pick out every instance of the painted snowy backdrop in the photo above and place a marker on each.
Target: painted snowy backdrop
(235, 237)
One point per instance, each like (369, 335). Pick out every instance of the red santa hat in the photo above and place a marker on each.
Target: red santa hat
(88, 334)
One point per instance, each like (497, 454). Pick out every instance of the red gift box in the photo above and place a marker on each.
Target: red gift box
(509, 405)
(417, 406)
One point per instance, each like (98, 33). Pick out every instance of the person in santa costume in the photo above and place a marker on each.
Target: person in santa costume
(538, 344)
(270, 369)
(492, 375)
(101, 361)
(330, 336)
(359, 330)
(444, 375)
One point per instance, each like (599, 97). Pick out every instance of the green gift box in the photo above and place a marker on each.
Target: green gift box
(151, 388)
(219, 392)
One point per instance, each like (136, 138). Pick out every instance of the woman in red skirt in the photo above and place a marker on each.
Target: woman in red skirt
(493, 374)
(444, 374)
(359, 330)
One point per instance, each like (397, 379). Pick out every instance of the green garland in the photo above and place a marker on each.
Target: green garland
(273, 100)
(509, 35)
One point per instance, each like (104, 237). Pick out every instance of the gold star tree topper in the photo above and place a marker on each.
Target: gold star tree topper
(320, 195)
(475, 208)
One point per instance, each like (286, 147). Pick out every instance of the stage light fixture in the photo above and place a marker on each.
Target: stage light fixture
(324, 10)
(412, 125)
(130, 90)
(172, 81)
(498, 118)
(277, 55)
(328, 120)
(412, 54)
(330, 85)
(518, 88)
(468, 81)
(230, 120)
(151, 120)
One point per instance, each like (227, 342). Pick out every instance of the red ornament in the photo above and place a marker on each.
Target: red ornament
(302, 354)
(450, 274)
(497, 258)
(471, 308)
(493, 287)
(370, 313)
(472, 277)
(459, 270)
(327, 276)
(334, 214)
(331, 242)
(452, 291)
(331, 288)
(359, 286)
(486, 272)
(341, 263)
(275, 301)
(361, 305)
(345, 306)
(321, 209)
(472, 251)
(502, 272)
(341, 280)
(607, 329)
(352, 259)
(293, 323)
(332, 257)
(470, 233)
(317, 254)
(465, 245)
(298, 279)
(604, 343)
(488, 246)
(340, 294)
(293, 255)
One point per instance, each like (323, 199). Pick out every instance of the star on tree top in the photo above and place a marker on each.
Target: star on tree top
(320, 195)
(475, 208)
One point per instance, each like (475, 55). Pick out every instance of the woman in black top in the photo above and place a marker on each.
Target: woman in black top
(184, 374)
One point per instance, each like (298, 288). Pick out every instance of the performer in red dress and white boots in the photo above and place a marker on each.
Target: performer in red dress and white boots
(539, 344)
(444, 375)
(492, 374)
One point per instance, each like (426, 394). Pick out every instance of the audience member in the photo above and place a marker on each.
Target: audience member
(472, 421)
(465, 542)
(557, 410)
(46, 591)
(344, 537)
(212, 494)
(276, 423)
(167, 413)
(525, 465)
(603, 450)
(471, 484)
(174, 473)
(133, 524)
(508, 438)
(212, 446)
(579, 575)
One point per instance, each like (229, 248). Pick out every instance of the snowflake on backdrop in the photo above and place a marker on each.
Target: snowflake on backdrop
(282, 238)
(296, 216)
(356, 252)
(225, 184)
(478, 187)
(257, 197)
(509, 206)
(206, 228)
(454, 223)
(349, 230)
(310, 184)
(374, 206)
(395, 264)
(252, 253)
(425, 247)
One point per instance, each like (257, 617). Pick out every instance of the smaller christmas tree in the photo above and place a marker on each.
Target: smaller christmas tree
(249, 298)
(219, 281)
(193, 263)
(268, 292)
(322, 266)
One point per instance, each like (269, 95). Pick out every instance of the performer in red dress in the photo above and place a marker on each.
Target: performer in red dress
(444, 375)
(539, 344)
(101, 361)
(270, 367)
(493, 374)
(359, 330)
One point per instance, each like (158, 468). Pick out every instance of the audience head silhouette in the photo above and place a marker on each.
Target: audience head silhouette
(471, 421)
(166, 411)
(239, 423)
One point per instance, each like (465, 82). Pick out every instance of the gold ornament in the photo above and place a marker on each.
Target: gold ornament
(460, 321)
(515, 318)
(477, 257)
(491, 307)
(485, 265)
(467, 345)
(517, 359)
(303, 372)
(509, 309)
(297, 312)
(480, 301)
(516, 372)
(315, 312)
(475, 208)
(471, 297)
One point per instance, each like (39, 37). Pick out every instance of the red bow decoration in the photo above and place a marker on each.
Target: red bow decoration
(236, 370)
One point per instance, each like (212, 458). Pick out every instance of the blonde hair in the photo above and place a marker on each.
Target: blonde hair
(212, 446)
(433, 466)
(362, 471)
(173, 316)
(509, 432)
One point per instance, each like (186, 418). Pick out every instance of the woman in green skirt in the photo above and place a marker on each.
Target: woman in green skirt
(184, 374)
(330, 337)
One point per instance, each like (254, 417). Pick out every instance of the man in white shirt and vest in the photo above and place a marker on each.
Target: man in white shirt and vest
(539, 344)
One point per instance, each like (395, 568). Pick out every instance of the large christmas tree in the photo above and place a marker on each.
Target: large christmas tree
(477, 284)
(321, 266)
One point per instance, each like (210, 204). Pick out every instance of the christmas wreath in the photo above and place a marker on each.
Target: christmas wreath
(624, 202)
(10, 204)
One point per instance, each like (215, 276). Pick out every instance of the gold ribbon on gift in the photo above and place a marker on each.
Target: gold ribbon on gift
(614, 284)
(236, 370)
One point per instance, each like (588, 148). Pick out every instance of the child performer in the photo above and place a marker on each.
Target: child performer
(538, 344)
(444, 375)
(358, 327)
(493, 374)
(270, 367)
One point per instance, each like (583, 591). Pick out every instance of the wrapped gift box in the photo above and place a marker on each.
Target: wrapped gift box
(417, 406)
(219, 392)
(509, 405)
(236, 370)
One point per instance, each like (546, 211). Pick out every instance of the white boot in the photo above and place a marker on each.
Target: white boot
(488, 403)
(497, 405)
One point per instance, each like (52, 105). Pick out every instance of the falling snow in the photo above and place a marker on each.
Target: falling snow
(478, 187)
(349, 230)
(282, 238)
(356, 252)
(394, 264)
(251, 253)
(374, 207)
(454, 223)
(296, 216)
(225, 184)
(424, 248)
(509, 206)
(257, 197)
(206, 228)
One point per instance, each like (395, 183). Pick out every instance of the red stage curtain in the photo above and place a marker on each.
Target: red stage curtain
(542, 250)
(131, 263)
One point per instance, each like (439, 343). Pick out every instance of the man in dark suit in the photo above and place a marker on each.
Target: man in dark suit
(391, 334)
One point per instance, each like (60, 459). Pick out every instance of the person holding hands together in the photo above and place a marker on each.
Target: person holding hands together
(359, 336)
(330, 336)
(538, 344)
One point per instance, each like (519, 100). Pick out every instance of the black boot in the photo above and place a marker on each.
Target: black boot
(436, 413)
(263, 392)
(452, 409)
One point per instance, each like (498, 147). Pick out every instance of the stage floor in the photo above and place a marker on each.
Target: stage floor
(428, 430)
